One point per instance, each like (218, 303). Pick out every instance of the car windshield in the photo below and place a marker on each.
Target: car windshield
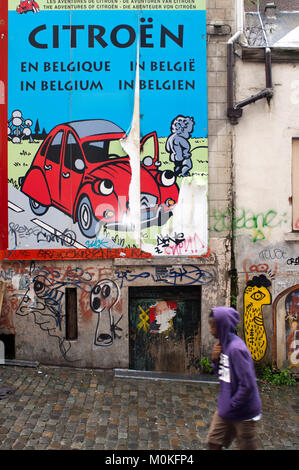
(97, 151)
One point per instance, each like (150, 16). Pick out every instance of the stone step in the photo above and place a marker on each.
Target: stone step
(171, 376)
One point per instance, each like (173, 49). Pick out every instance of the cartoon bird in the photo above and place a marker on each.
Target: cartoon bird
(256, 295)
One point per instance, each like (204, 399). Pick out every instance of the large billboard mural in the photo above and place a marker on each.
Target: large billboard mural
(107, 125)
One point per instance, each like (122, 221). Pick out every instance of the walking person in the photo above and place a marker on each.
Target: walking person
(239, 403)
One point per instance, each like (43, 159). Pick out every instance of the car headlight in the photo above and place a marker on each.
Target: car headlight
(167, 178)
(170, 202)
(104, 187)
(108, 214)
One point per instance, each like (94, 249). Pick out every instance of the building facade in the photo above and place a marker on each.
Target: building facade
(125, 302)
(80, 291)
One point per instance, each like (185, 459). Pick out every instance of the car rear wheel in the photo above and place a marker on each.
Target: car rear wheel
(89, 225)
(37, 208)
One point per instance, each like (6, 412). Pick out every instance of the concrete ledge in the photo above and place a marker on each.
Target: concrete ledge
(165, 261)
(16, 362)
(291, 237)
(170, 376)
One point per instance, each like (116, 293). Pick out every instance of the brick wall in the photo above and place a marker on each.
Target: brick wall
(220, 141)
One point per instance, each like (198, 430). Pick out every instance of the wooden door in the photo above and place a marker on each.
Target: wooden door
(165, 328)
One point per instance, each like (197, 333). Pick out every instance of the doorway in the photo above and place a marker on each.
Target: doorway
(164, 328)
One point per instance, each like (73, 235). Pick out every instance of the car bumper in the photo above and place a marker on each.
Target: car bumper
(150, 217)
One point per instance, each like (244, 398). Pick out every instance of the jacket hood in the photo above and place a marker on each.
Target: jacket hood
(226, 320)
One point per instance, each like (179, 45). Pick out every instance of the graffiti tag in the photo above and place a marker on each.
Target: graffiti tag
(67, 237)
(178, 245)
(165, 241)
(277, 253)
(244, 219)
(185, 274)
(294, 261)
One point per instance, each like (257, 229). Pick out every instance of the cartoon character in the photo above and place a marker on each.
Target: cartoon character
(178, 145)
(256, 295)
(82, 170)
(43, 300)
(102, 298)
(28, 5)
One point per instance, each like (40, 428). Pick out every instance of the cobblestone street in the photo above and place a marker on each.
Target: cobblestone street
(54, 408)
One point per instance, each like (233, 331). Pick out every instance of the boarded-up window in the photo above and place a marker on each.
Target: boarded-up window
(71, 324)
(295, 183)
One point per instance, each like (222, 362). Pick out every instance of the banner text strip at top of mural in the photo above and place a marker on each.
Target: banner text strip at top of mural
(111, 5)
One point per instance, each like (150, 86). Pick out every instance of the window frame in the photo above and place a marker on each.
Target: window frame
(295, 185)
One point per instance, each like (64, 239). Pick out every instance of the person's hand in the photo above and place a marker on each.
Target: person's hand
(217, 349)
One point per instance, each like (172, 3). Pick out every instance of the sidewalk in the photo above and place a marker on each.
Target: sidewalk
(57, 408)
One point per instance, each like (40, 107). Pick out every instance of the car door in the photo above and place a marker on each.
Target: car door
(52, 165)
(149, 192)
(72, 169)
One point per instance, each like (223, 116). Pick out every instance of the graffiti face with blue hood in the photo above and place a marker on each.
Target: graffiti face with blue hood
(239, 397)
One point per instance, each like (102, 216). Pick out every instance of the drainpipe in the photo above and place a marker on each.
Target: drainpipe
(233, 273)
(234, 112)
(231, 112)
(268, 67)
(230, 103)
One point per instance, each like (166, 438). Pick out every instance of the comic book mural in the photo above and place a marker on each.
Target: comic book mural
(85, 79)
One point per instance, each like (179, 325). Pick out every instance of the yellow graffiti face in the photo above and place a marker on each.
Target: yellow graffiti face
(255, 335)
(258, 294)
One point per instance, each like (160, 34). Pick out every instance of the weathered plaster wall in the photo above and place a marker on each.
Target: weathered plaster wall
(34, 303)
(262, 222)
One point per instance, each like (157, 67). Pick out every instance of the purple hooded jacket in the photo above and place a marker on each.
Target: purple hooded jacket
(239, 397)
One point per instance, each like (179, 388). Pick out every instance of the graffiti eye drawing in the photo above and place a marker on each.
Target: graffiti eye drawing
(106, 291)
(38, 287)
(96, 290)
(257, 295)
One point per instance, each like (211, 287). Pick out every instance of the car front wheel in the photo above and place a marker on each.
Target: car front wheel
(88, 223)
(37, 208)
